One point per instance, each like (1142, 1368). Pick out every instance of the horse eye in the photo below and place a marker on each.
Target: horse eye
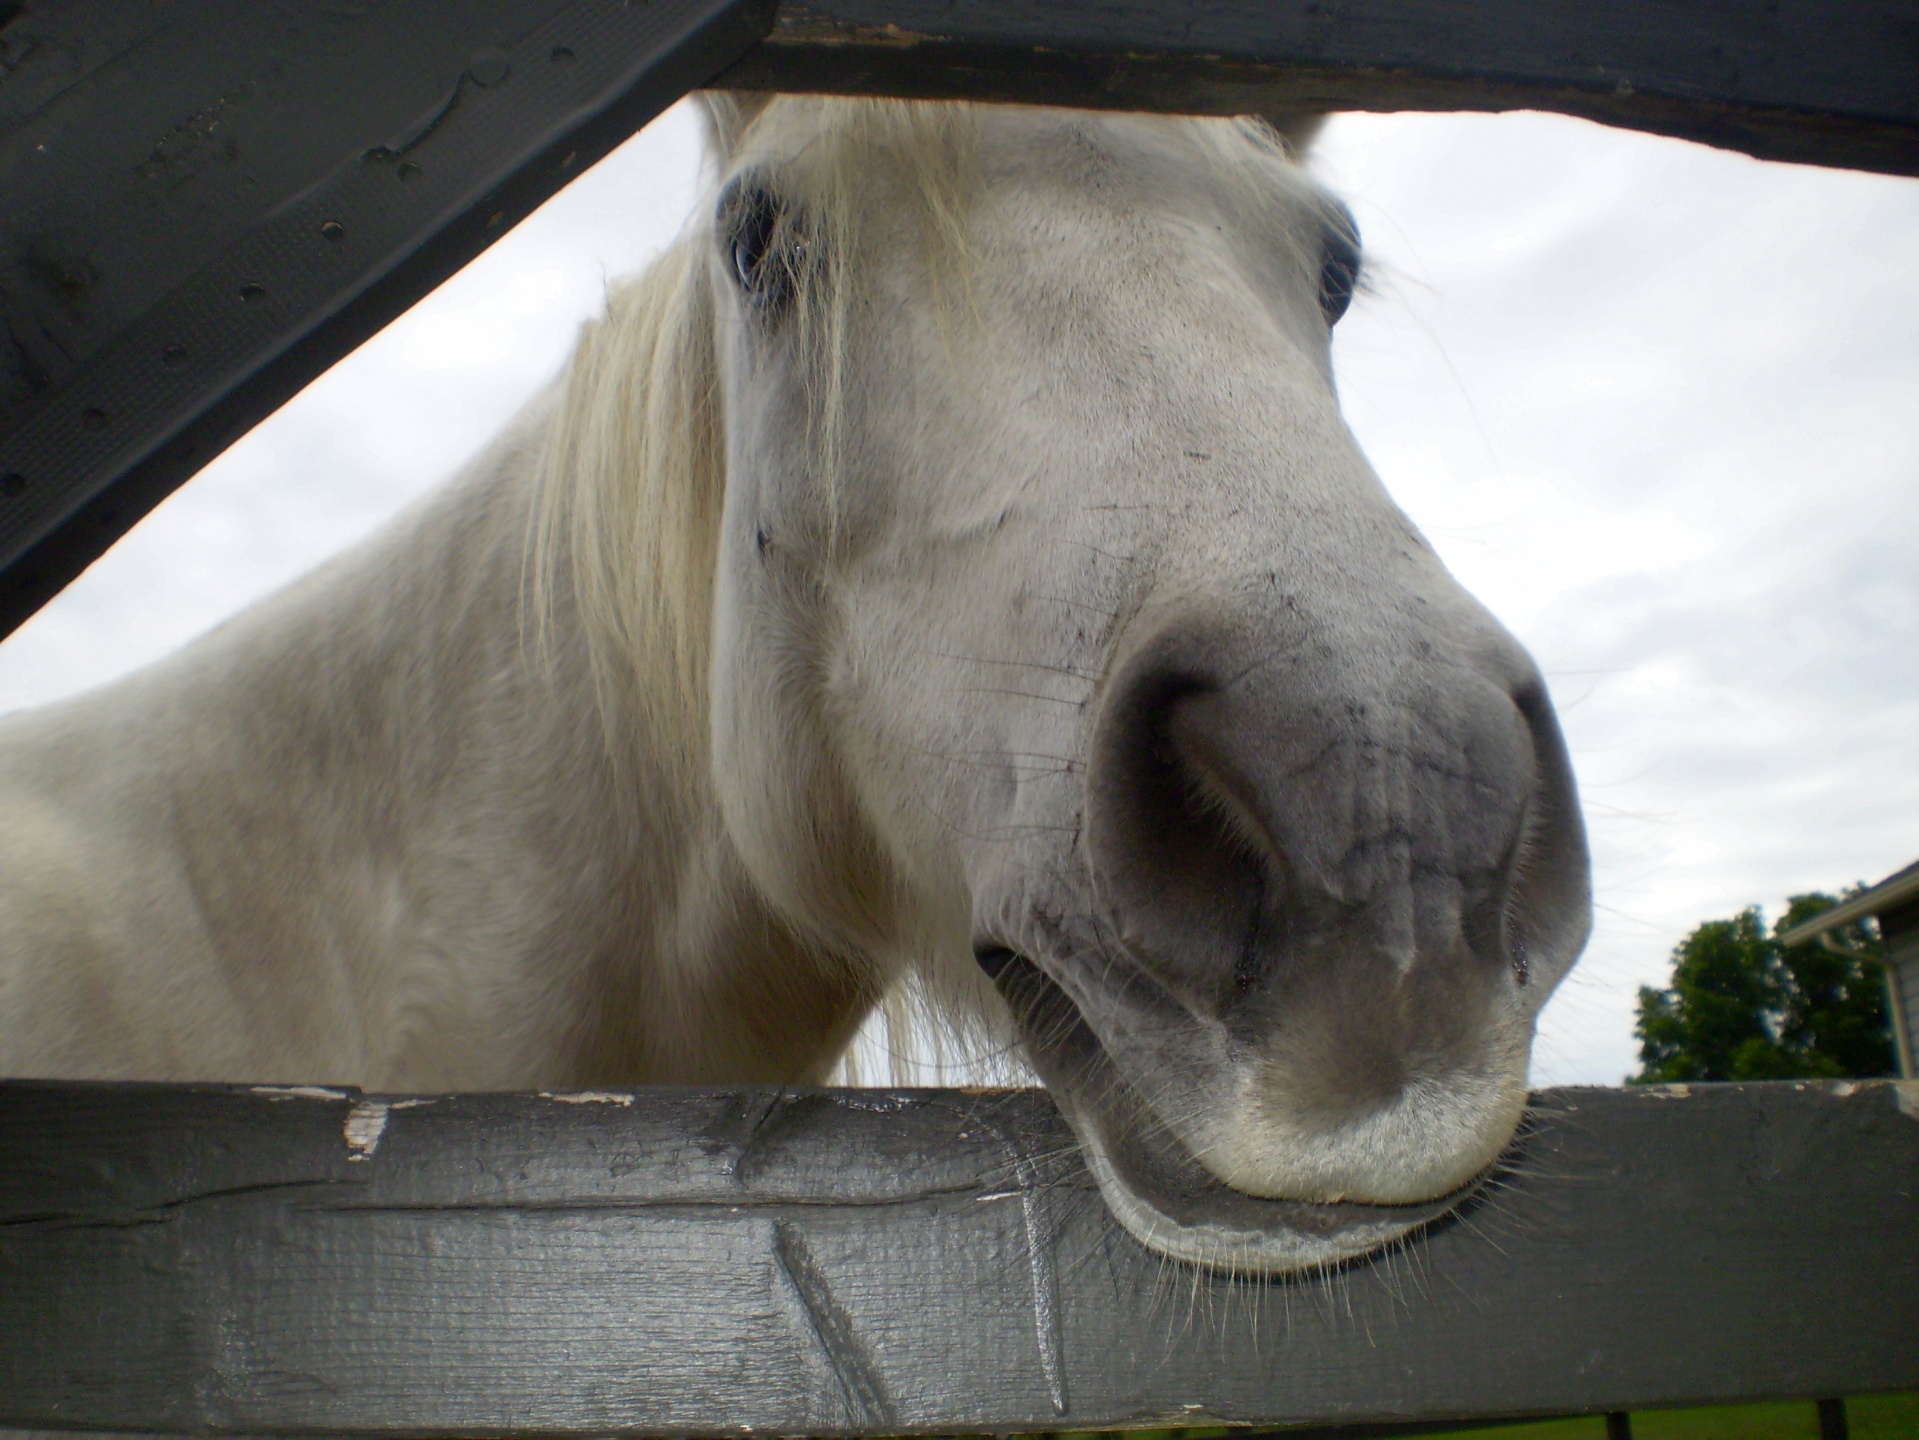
(750, 222)
(1338, 272)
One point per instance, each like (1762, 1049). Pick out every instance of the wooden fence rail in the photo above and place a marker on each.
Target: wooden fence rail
(1823, 81)
(259, 1260)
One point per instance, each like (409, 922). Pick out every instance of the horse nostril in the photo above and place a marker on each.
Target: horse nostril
(1186, 862)
(993, 959)
(1548, 900)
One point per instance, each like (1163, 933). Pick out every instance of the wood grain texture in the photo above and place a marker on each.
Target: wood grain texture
(204, 203)
(202, 1259)
(1831, 82)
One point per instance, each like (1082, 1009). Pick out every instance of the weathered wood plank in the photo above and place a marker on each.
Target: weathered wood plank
(204, 203)
(198, 1259)
(1832, 82)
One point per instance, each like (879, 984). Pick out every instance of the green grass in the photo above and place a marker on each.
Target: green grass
(1870, 1417)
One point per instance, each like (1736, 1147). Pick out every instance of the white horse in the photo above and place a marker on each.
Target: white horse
(948, 561)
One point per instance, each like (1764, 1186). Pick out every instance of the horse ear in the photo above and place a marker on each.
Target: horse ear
(729, 113)
(1298, 131)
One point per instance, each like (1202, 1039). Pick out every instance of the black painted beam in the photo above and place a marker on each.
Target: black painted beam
(203, 203)
(1827, 82)
(199, 1259)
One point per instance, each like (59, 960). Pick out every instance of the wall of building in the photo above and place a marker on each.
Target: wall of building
(1899, 929)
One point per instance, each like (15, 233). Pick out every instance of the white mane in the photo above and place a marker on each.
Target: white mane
(631, 481)
(634, 475)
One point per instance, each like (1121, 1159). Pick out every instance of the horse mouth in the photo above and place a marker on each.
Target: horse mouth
(1157, 1190)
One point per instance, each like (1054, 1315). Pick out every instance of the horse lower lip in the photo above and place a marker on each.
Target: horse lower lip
(1190, 1213)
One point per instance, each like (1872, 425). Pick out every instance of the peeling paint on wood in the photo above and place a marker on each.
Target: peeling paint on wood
(365, 1124)
(588, 1097)
(300, 1092)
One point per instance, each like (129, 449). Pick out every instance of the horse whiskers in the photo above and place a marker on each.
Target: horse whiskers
(999, 834)
(1092, 677)
(1016, 695)
(1059, 765)
(1079, 605)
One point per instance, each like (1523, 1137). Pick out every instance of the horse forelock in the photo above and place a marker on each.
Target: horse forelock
(633, 477)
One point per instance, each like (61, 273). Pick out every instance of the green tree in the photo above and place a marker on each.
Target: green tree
(1742, 1006)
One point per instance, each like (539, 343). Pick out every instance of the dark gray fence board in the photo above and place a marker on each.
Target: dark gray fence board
(204, 203)
(160, 160)
(207, 1259)
(1824, 81)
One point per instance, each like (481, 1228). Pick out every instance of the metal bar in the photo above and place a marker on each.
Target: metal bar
(258, 1261)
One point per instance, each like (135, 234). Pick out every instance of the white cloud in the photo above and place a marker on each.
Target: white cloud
(1521, 544)
(487, 331)
(1651, 402)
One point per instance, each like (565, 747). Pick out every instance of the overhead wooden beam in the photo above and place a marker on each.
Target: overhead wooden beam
(252, 1261)
(1827, 82)
(205, 203)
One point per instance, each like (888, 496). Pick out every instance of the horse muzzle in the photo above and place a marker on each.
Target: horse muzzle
(1326, 889)
(1157, 1188)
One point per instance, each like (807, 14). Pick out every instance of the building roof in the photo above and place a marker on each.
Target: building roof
(1894, 890)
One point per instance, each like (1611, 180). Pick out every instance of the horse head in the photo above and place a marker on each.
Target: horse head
(1064, 639)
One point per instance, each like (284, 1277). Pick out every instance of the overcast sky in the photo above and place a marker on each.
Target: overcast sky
(1657, 405)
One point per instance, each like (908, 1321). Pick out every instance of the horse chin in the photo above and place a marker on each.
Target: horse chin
(1158, 1190)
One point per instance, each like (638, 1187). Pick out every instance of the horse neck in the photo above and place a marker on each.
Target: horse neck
(457, 868)
(702, 980)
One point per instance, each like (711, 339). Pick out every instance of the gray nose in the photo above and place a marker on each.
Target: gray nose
(1288, 816)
